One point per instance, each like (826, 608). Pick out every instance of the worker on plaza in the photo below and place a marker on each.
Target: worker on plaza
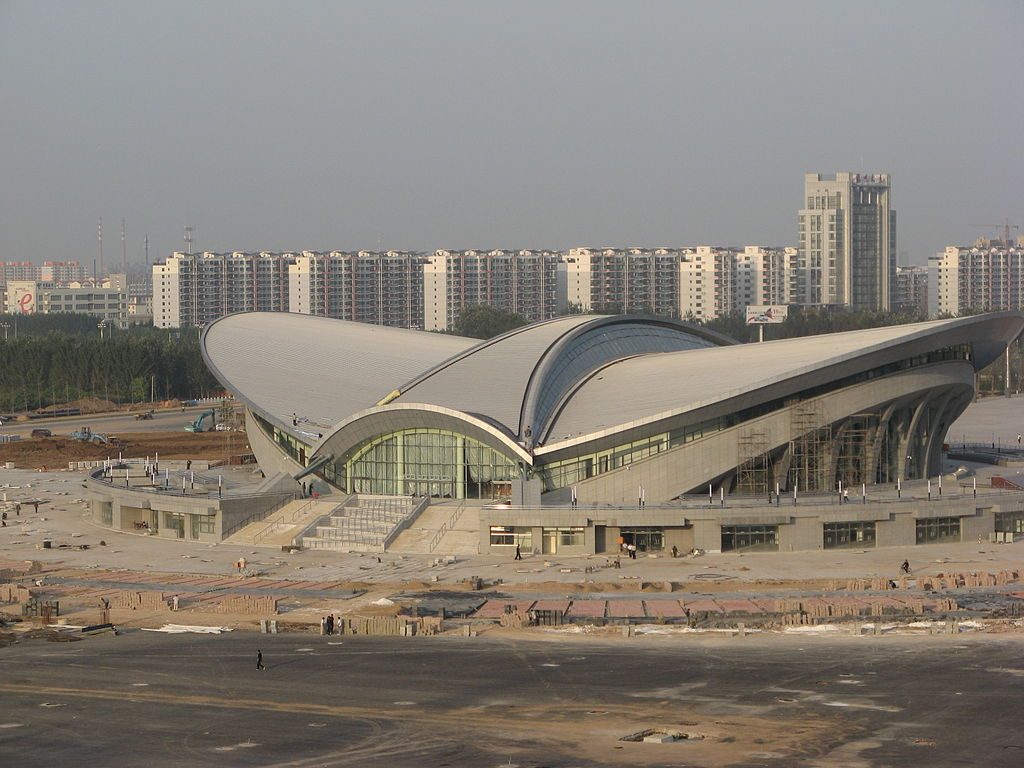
(519, 554)
(259, 660)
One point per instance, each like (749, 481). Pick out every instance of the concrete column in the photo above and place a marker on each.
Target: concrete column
(400, 463)
(460, 467)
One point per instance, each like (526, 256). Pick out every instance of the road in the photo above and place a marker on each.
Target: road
(162, 421)
(190, 700)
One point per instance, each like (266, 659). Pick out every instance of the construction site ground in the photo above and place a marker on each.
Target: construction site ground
(57, 451)
(719, 688)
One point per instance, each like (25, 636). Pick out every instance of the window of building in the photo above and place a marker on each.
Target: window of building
(849, 534)
(1010, 522)
(202, 524)
(510, 535)
(645, 539)
(935, 530)
(752, 538)
(571, 537)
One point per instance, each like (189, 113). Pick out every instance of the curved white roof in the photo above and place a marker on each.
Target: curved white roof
(651, 387)
(556, 383)
(322, 369)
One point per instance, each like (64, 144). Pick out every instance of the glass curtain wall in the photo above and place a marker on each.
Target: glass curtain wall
(425, 462)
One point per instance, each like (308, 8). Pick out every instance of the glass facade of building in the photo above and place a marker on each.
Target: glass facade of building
(424, 462)
(935, 530)
(848, 534)
(753, 538)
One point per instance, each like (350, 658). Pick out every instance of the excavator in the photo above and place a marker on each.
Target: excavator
(197, 425)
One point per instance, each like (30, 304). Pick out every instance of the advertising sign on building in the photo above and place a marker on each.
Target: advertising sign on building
(765, 314)
(21, 297)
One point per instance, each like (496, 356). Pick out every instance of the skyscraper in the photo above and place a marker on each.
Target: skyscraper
(847, 241)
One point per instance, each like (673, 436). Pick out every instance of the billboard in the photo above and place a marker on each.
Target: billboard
(762, 314)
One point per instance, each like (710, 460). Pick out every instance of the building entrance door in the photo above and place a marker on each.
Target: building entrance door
(550, 541)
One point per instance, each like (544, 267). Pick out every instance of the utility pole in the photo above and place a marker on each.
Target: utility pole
(99, 236)
(145, 242)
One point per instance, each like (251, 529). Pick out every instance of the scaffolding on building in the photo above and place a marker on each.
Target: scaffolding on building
(754, 468)
(855, 446)
(810, 448)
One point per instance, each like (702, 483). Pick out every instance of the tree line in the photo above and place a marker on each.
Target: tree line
(58, 359)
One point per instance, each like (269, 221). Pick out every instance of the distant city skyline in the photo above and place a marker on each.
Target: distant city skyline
(417, 127)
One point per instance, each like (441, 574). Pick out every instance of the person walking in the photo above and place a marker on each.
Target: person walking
(905, 568)
(259, 660)
(519, 554)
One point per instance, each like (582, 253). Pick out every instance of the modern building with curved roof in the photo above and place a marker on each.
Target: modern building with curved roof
(598, 410)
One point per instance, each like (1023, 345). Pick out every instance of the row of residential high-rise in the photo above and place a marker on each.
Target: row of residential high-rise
(414, 290)
(846, 256)
(429, 291)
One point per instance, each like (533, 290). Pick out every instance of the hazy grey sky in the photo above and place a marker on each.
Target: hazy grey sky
(426, 124)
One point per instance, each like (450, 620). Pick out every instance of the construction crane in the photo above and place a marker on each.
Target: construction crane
(1006, 226)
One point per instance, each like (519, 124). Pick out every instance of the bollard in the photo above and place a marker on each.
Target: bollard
(273, 626)
(627, 630)
(876, 628)
(741, 629)
(263, 626)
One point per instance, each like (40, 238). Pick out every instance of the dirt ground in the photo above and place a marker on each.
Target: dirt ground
(57, 451)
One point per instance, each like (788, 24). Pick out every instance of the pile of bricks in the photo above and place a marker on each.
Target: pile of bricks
(940, 581)
(849, 607)
(14, 593)
(133, 601)
(263, 605)
(514, 620)
(388, 625)
(957, 580)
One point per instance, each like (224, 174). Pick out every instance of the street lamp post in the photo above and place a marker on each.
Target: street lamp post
(5, 326)
(101, 325)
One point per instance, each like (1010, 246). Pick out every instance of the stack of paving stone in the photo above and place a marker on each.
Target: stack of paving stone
(263, 605)
(14, 593)
(132, 600)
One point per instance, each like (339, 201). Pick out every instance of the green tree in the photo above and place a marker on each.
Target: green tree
(482, 321)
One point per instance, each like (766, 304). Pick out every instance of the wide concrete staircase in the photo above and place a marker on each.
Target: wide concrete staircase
(446, 528)
(284, 525)
(364, 524)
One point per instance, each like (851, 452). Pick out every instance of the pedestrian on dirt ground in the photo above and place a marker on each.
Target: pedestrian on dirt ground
(188, 465)
(259, 660)
(905, 568)
(519, 553)
(675, 551)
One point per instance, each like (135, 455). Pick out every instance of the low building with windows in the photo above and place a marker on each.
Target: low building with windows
(582, 433)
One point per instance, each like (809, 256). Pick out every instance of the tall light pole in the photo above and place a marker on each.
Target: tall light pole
(101, 325)
(5, 326)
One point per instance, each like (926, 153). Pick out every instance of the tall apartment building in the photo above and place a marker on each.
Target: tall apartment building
(524, 282)
(629, 280)
(763, 277)
(48, 272)
(367, 287)
(61, 272)
(847, 241)
(196, 289)
(706, 281)
(967, 280)
(719, 281)
(911, 290)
